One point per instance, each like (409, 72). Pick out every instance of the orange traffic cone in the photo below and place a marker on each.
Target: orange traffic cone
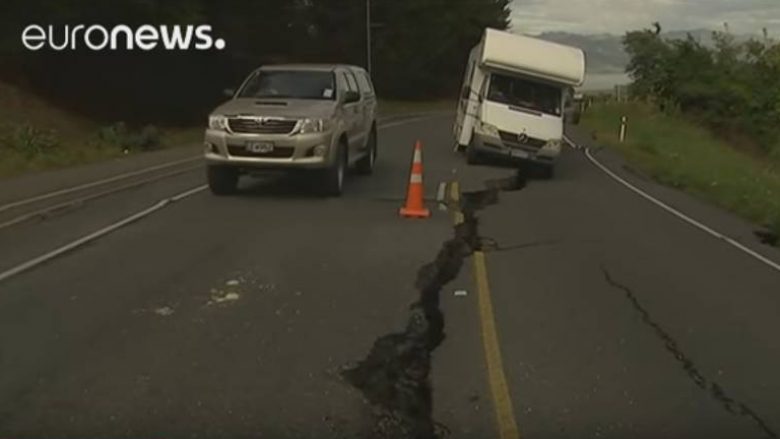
(415, 204)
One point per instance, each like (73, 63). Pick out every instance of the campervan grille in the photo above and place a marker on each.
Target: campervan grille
(515, 139)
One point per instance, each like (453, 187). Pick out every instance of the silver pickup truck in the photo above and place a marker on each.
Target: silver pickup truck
(320, 118)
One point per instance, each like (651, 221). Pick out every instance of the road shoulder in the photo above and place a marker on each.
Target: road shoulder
(724, 222)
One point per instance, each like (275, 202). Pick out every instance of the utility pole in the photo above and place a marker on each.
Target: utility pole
(368, 35)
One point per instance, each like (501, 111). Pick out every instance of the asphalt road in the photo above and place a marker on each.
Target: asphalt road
(563, 308)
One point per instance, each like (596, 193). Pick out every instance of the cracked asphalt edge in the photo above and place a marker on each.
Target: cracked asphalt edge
(715, 390)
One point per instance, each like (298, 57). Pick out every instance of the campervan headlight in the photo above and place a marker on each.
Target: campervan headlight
(487, 129)
(554, 144)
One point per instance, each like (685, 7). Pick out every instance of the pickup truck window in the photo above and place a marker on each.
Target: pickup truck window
(291, 84)
(365, 83)
(525, 94)
(353, 85)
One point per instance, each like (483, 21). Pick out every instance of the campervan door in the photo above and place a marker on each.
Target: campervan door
(468, 104)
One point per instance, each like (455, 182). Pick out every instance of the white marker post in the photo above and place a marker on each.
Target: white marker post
(623, 129)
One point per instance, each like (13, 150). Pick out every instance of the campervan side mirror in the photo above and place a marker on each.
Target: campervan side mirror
(572, 116)
(229, 92)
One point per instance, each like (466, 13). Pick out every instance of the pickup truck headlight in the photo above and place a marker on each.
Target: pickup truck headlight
(306, 126)
(486, 128)
(217, 122)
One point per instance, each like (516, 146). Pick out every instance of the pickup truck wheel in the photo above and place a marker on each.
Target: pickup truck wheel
(223, 180)
(365, 166)
(332, 178)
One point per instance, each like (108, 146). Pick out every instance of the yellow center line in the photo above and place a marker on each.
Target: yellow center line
(502, 400)
(455, 198)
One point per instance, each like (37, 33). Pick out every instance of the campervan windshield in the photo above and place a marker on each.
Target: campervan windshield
(525, 93)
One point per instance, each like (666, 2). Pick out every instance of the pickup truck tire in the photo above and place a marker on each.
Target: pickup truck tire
(332, 178)
(223, 180)
(365, 166)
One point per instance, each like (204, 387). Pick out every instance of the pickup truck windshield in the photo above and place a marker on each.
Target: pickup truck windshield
(290, 85)
(525, 94)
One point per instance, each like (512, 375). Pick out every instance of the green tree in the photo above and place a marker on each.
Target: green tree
(732, 87)
(649, 63)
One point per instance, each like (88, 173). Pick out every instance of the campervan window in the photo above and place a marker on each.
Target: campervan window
(525, 93)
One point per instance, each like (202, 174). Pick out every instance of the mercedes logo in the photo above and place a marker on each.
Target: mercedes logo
(522, 138)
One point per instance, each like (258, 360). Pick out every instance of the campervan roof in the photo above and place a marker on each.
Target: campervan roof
(533, 57)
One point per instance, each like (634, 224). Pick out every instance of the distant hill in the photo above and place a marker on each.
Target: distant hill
(605, 51)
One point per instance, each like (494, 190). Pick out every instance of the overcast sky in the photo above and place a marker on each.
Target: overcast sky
(617, 16)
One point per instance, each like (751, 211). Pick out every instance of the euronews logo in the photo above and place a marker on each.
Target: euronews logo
(97, 38)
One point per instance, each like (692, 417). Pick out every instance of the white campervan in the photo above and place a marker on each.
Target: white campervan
(513, 97)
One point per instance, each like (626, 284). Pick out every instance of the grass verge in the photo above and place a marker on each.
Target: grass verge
(29, 153)
(36, 136)
(678, 153)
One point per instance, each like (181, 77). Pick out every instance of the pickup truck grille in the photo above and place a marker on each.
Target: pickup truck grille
(255, 125)
(514, 139)
(279, 152)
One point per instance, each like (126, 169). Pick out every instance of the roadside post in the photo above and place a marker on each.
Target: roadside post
(623, 121)
(368, 37)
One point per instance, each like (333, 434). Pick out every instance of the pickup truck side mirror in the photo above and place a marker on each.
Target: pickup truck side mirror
(351, 96)
(229, 92)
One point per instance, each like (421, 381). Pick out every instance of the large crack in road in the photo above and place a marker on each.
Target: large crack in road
(395, 376)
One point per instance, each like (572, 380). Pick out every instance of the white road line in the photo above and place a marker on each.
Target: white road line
(92, 184)
(5, 275)
(712, 232)
(28, 216)
(440, 195)
(570, 143)
(403, 122)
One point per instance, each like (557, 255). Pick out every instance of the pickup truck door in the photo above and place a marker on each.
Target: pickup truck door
(369, 103)
(351, 114)
(359, 109)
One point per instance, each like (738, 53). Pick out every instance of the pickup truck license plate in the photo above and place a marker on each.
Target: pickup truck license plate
(259, 147)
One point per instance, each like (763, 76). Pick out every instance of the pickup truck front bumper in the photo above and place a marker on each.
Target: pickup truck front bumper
(301, 151)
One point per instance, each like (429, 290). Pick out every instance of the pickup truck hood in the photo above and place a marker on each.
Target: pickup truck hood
(291, 108)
